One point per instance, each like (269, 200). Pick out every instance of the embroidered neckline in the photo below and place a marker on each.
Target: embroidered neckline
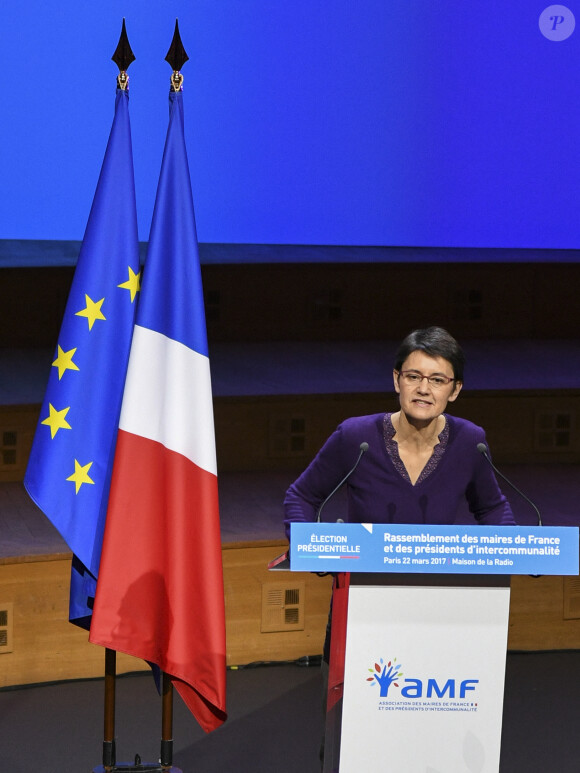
(393, 450)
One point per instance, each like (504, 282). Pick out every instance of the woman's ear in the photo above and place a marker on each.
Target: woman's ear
(456, 390)
(396, 381)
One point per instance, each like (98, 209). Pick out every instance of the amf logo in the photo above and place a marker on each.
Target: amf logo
(387, 675)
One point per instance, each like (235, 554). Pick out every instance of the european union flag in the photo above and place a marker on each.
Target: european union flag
(69, 469)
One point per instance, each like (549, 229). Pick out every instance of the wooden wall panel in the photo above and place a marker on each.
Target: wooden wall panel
(536, 616)
(245, 571)
(20, 420)
(48, 648)
(334, 301)
(508, 418)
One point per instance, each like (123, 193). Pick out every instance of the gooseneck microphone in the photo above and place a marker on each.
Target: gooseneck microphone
(483, 450)
(282, 562)
(363, 448)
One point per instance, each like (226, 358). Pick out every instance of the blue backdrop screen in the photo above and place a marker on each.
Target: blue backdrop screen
(328, 122)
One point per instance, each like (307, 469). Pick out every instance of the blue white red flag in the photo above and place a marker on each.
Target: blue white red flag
(160, 589)
(69, 468)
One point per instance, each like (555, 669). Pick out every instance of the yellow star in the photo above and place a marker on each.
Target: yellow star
(92, 311)
(133, 284)
(81, 475)
(56, 419)
(64, 362)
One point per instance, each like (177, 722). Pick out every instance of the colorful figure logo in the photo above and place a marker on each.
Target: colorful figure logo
(385, 678)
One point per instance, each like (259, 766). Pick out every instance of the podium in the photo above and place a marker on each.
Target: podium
(419, 635)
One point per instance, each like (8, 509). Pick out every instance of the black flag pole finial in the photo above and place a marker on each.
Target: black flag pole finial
(177, 57)
(123, 57)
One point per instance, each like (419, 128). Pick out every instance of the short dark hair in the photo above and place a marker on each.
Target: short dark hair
(436, 342)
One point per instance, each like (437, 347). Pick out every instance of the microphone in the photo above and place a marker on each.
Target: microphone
(364, 447)
(483, 450)
(282, 562)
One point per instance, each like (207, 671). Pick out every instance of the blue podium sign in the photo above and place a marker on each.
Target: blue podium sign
(409, 548)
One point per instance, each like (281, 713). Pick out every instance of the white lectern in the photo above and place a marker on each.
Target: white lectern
(423, 675)
(419, 635)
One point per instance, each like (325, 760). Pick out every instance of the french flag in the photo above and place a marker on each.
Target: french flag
(160, 588)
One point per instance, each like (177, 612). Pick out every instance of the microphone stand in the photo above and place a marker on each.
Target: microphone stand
(364, 447)
(282, 562)
(482, 448)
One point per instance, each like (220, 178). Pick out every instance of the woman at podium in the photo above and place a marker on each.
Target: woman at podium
(415, 465)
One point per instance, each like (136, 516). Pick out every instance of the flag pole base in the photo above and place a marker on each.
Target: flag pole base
(146, 767)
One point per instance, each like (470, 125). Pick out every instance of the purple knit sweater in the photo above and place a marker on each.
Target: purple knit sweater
(380, 491)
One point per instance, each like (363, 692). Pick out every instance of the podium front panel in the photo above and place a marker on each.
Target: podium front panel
(424, 674)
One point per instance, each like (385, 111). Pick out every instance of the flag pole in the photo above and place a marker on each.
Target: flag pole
(109, 752)
(123, 56)
(176, 57)
(167, 723)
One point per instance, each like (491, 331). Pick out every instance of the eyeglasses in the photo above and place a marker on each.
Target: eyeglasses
(414, 378)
